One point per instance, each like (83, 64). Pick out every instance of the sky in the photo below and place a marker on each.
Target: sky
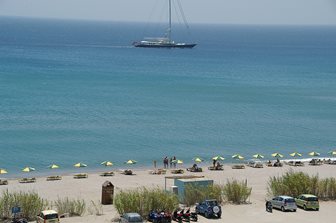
(292, 12)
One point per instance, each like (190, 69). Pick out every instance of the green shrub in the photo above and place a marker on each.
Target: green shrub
(237, 192)
(197, 194)
(30, 202)
(72, 207)
(327, 189)
(143, 200)
(296, 183)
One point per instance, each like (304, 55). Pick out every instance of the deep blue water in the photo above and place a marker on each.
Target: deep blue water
(76, 91)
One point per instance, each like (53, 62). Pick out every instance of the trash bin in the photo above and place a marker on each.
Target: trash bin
(107, 193)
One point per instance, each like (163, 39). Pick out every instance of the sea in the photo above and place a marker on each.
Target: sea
(77, 91)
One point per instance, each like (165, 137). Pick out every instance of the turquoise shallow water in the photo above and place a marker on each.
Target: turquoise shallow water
(78, 92)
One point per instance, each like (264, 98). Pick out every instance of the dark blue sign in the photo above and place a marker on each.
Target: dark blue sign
(16, 210)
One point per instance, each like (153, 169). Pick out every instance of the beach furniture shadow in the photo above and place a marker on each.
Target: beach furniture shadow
(27, 180)
(177, 171)
(107, 174)
(53, 178)
(238, 166)
(80, 176)
(216, 168)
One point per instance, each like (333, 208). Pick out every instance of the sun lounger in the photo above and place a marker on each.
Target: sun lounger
(277, 164)
(127, 172)
(80, 176)
(332, 162)
(158, 171)
(3, 182)
(27, 180)
(107, 174)
(192, 169)
(238, 166)
(315, 162)
(295, 163)
(216, 167)
(52, 178)
(178, 171)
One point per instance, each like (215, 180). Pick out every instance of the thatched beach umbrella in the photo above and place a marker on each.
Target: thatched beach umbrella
(178, 161)
(314, 153)
(198, 160)
(258, 156)
(237, 157)
(217, 158)
(107, 163)
(277, 155)
(80, 165)
(28, 169)
(3, 171)
(130, 162)
(53, 166)
(332, 153)
(295, 154)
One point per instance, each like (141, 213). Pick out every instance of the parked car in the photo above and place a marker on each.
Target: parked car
(284, 203)
(131, 217)
(209, 208)
(307, 201)
(48, 216)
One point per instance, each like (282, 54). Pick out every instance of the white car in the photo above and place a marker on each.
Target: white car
(48, 216)
(284, 203)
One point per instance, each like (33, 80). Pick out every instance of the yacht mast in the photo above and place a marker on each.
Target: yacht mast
(170, 22)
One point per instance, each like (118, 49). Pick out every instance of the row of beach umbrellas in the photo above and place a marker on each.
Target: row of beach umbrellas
(196, 159)
(77, 165)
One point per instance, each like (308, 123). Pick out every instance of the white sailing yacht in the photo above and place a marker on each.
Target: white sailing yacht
(163, 42)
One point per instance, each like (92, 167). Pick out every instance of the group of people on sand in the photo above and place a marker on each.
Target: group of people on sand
(169, 162)
(216, 164)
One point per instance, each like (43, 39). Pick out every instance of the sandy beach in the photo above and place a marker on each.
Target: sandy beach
(90, 190)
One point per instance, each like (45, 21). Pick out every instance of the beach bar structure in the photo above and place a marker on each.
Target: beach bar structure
(181, 185)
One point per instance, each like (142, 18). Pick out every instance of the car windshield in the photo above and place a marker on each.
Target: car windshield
(135, 219)
(290, 200)
(50, 216)
(213, 203)
(312, 199)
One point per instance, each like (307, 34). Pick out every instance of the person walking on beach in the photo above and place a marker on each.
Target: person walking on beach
(174, 161)
(214, 163)
(165, 163)
(171, 162)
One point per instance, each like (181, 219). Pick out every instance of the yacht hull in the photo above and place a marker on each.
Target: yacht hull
(184, 45)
